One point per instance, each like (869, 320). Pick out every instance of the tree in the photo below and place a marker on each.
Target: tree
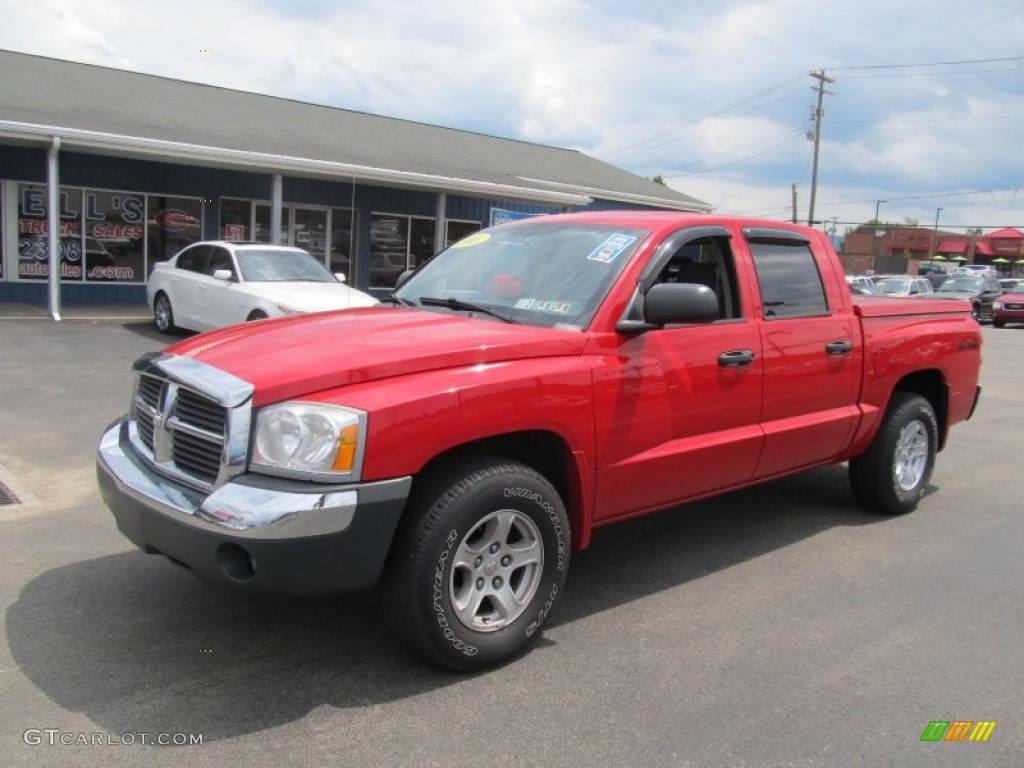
(974, 232)
(659, 180)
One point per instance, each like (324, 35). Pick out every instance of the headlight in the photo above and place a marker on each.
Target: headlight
(314, 440)
(997, 305)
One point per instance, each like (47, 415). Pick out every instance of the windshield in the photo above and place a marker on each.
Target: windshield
(546, 273)
(896, 286)
(965, 284)
(282, 266)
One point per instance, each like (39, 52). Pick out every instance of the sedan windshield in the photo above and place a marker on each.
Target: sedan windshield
(896, 286)
(961, 284)
(282, 266)
(547, 273)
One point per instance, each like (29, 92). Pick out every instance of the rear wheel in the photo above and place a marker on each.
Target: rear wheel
(163, 315)
(480, 565)
(892, 475)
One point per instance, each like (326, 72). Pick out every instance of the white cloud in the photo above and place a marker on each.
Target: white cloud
(660, 88)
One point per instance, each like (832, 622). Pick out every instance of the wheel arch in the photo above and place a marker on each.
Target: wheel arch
(931, 385)
(544, 451)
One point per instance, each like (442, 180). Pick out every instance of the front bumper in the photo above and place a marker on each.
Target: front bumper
(254, 533)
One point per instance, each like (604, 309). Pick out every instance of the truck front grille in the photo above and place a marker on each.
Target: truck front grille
(184, 424)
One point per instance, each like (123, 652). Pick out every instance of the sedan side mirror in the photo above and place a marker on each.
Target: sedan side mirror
(223, 274)
(340, 276)
(403, 277)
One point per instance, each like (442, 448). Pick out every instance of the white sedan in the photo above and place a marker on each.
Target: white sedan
(213, 284)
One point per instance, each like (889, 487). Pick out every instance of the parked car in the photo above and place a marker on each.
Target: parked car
(975, 270)
(213, 284)
(1012, 284)
(1009, 308)
(980, 291)
(861, 284)
(906, 286)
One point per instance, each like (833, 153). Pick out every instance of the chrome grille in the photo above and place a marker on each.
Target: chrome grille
(196, 436)
(1016, 306)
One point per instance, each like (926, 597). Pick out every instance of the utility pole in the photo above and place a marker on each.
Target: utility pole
(822, 78)
(794, 201)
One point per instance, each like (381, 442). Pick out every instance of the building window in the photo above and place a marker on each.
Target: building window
(389, 249)
(460, 229)
(115, 237)
(172, 224)
(235, 220)
(33, 261)
(343, 243)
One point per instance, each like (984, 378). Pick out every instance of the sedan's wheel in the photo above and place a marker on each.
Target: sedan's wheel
(256, 314)
(480, 564)
(892, 475)
(976, 312)
(163, 315)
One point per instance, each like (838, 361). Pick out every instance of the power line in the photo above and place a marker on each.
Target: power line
(933, 64)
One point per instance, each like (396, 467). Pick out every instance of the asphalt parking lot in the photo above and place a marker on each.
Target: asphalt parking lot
(777, 626)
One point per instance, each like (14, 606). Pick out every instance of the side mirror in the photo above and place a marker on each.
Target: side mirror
(671, 303)
(223, 274)
(340, 277)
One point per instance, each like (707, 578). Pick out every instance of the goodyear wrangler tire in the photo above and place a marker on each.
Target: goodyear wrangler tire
(892, 475)
(480, 566)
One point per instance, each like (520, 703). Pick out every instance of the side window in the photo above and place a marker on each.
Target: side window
(194, 259)
(220, 259)
(707, 261)
(789, 279)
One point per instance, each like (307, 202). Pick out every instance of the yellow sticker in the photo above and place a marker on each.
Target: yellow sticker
(466, 242)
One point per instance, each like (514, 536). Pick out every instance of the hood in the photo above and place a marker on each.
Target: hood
(956, 294)
(295, 356)
(310, 297)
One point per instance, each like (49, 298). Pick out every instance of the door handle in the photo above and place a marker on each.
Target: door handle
(839, 347)
(735, 358)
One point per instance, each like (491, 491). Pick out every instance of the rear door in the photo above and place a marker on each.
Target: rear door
(811, 349)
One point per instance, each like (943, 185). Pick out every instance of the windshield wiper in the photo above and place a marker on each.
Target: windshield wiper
(463, 306)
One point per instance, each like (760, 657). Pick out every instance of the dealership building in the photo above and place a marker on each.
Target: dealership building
(129, 168)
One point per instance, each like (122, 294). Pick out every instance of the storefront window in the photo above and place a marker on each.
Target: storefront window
(33, 252)
(389, 237)
(460, 229)
(310, 231)
(421, 244)
(235, 218)
(174, 222)
(343, 243)
(114, 237)
(262, 233)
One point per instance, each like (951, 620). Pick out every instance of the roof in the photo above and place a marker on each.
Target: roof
(112, 111)
(1009, 233)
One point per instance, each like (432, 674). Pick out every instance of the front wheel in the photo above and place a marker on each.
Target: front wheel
(892, 475)
(163, 315)
(256, 314)
(998, 323)
(480, 565)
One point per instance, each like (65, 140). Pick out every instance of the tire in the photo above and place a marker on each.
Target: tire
(163, 314)
(892, 475)
(998, 323)
(256, 314)
(479, 565)
(976, 312)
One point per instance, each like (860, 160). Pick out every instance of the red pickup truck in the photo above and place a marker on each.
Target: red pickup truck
(531, 383)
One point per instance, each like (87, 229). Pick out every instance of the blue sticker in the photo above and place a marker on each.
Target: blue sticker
(607, 251)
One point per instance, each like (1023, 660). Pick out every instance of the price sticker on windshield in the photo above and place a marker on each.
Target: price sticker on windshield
(607, 251)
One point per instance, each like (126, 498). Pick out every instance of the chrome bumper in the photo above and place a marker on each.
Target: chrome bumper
(270, 534)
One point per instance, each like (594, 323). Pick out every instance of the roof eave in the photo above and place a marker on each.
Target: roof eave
(265, 162)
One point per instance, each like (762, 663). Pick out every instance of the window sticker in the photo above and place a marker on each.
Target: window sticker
(607, 251)
(559, 307)
(467, 242)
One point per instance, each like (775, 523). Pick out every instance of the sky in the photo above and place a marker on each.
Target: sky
(923, 121)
